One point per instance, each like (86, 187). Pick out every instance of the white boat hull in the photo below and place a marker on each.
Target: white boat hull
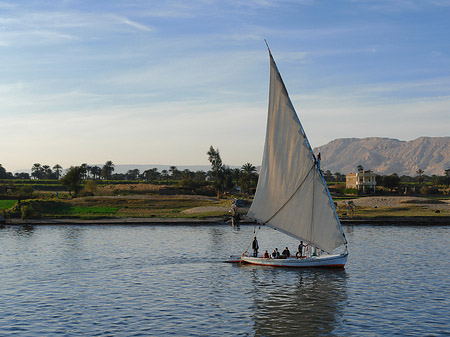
(328, 261)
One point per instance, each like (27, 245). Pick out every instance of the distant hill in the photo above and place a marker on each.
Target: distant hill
(387, 156)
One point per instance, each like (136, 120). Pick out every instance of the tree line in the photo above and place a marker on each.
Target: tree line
(39, 171)
(221, 177)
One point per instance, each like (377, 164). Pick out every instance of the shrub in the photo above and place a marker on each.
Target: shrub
(339, 188)
(29, 210)
(352, 191)
(424, 190)
(25, 192)
(90, 188)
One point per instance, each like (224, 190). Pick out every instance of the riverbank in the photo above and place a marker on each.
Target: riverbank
(388, 221)
(119, 221)
(198, 210)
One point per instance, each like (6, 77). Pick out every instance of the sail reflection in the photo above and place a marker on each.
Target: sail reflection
(298, 303)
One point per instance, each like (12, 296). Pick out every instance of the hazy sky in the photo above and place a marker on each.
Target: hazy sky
(158, 82)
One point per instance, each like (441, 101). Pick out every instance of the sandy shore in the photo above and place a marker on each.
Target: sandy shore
(398, 202)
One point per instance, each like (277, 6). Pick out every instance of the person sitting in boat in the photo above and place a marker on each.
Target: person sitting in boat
(286, 252)
(299, 253)
(266, 255)
(255, 247)
(275, 254)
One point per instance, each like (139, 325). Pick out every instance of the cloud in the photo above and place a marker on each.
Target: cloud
(44, 27)
(134, 24)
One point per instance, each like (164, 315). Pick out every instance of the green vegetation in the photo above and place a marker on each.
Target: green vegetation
(6, 204)
(73, 179)
(85, 192)
(122, 207)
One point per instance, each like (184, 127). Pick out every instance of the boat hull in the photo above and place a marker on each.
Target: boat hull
(331, 261)
(234, 259)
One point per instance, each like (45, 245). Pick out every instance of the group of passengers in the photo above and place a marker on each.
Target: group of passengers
(276, 254)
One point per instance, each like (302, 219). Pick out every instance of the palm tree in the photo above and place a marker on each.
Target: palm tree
(420, 173)
(165, 174)
(88, 171)
(96, 172)
(174, 171)
(151, 174)
(248, 169)
(107, 170)
(58, 169)
(247, 176)
(83, 168)
(36, 171)
(47, 171)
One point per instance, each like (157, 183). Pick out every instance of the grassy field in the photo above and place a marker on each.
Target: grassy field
(152, 201)
(6, 204)
(127, 207)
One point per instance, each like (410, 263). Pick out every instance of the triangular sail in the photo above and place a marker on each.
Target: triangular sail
(291, 194)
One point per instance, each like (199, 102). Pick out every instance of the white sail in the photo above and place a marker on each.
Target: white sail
(291, 194)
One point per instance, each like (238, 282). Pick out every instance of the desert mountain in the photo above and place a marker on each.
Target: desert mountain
(386, 156)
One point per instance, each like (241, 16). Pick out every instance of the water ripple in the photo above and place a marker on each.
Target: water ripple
(170, 280)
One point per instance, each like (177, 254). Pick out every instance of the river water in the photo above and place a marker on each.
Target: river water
(170, 280)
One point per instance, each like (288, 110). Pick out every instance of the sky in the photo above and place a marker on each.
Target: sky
(159, 82)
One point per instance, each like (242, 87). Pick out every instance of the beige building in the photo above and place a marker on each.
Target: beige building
(364, 181)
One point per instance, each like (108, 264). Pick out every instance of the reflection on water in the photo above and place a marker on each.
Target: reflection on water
(298, 302)
(170, 280)
(25, 230)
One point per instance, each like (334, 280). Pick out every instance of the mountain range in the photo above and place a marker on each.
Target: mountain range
(380, 155)
(386, 156)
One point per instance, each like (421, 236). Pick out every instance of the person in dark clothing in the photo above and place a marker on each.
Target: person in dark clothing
(299, 253)
(286, 252)
(274, 254)
(255, 247)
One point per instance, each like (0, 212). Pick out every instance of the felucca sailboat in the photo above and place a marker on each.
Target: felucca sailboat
(292, 195)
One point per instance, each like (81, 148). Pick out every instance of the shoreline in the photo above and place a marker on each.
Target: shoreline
(388, 221)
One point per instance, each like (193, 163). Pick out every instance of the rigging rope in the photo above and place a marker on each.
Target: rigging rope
(254, 234)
